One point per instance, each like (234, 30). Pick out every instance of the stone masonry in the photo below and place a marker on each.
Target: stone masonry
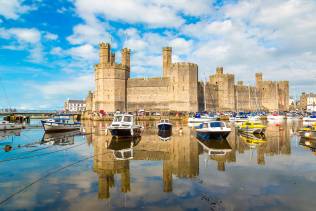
(178, 89)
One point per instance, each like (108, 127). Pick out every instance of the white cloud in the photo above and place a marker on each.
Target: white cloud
(50, 36)
(152, 13)
(12, 9)
(92, 33)
(86, 51)
(24, 39)
(56, 51)
(67, 87)
(31, 35)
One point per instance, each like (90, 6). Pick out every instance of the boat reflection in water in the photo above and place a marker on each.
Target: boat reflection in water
(308, 144)
(253, 140)
(164, 135)
(216, 149)
(123, 147)
(6, 133)
(60, 138)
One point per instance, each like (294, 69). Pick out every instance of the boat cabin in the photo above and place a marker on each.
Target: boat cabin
(123, 120)
(215, 124)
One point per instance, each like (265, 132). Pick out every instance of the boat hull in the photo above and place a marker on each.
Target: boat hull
(201, 120)
(52, 128)
(125, 132)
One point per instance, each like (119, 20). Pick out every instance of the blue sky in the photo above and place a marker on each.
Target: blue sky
(48, 48)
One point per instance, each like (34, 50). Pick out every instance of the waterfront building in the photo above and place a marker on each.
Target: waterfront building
(74, 105)
(178, 89)
(308, 102)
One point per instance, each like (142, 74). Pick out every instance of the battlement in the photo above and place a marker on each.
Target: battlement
(184, 64)
(219, 70)
(167, 48)
(148, 82)
(104, 45)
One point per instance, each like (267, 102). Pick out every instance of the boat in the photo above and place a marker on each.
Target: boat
(311, 118)
(254, 118)
(6, 125)
(238, 118)
(276, 117)
(213, 130)
(252, 127)
(124, 125)
(164, 124)
(198, 118)
(60, 123)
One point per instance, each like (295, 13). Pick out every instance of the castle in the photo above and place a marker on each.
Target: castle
(178, 89)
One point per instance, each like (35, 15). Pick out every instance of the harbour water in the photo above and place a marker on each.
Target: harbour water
(94, 171)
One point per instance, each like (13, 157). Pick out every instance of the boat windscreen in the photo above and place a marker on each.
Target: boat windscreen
(127, 119)
(117, 119)
(217, 124)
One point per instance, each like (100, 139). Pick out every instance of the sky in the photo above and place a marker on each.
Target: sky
(48, 49)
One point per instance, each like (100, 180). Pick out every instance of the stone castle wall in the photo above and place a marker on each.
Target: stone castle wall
(148, 93)
(178, 89)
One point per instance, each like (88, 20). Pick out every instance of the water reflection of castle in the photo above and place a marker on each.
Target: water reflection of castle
(180, 155)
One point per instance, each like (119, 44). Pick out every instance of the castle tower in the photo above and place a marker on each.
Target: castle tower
(219, 70)
(126, 60)
(112, 58)
(166, 61)
(226, 89)
(111, 80)
(126, 57)
(105, 49)
(258, 79)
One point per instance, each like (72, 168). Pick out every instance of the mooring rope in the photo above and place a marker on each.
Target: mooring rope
(43, 177)
(38, 155)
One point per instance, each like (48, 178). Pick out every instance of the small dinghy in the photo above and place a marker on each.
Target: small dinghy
(213, 130)
(124, 125)
(59, 124)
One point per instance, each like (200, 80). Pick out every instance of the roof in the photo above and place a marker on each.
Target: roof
(76, 101)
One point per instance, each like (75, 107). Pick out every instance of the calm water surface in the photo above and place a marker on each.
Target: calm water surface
(93, 172)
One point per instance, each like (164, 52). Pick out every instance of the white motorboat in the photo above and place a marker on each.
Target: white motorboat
(201, 118)
(311, 118)
(254, 118)
(275, 117)
(59, 124)
(6, 125)
(164, 124)
(238, 118)
(124, 125)
(213, 129)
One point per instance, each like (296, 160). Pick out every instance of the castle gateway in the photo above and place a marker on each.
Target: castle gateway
(178, 89)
